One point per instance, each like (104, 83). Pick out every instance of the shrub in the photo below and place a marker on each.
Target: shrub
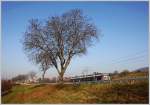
(124, 73)
(6, 85)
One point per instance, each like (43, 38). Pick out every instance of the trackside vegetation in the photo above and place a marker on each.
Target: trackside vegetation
(83, 93)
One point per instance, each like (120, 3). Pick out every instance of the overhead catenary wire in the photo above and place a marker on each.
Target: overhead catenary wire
(130, 55)
(135, 59)
(130, 59)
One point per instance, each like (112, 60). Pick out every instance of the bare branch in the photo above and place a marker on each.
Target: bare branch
(56, 42)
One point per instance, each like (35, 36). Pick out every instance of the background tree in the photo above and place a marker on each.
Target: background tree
(45, 63)
(115, 72)
(124, 73)
(20, 78)
(59, 39)
(44, 69)
(32, 74)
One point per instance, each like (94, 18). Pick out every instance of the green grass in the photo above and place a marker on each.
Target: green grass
(85, 93)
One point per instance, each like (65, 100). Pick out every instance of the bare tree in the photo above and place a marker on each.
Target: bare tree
(31, 74)
(20, 78)
(115, 72)
(44, 61)
(59, 39)
(44, 71)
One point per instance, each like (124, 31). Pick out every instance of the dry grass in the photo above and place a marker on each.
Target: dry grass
(85, 93)
(130, 75)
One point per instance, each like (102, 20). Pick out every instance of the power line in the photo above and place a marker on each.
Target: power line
(137, 58)
(135, 54)
(133, 62)
(134, 65)
(126, 64)
(130, 59)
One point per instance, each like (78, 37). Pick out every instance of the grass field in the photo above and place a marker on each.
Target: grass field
(85, 93)
(130, 75)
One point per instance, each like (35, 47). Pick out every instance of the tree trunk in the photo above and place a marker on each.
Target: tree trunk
(63, 69)
(61, 80)
(43, 75)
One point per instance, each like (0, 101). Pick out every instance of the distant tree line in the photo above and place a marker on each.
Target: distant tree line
(23, 77)
(126, 72)
(122, 73)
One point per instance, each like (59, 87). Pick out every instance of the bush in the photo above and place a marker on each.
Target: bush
(6, 85)
(124, 73)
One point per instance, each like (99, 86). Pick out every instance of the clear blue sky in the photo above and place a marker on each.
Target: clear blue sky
(124, 44)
